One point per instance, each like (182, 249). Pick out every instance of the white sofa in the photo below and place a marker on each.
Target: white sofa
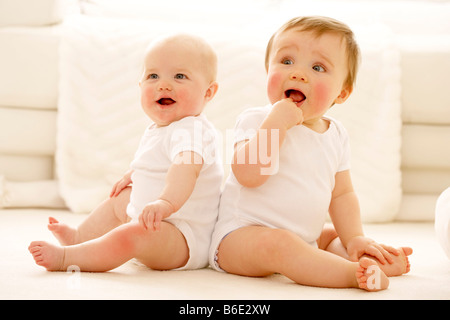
(48, 60)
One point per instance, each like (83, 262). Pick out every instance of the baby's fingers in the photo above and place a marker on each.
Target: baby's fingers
(152, 221)
(146, 219)
(142, 221)
(118, 187)
(376, 252)
(114, 190)
(157, 221)
(390, 249)
(386, 254)
(150, 224)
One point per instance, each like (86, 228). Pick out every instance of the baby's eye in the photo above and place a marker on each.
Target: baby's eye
(152, 76)
(318, 68)
(287, 61)
(180, 76)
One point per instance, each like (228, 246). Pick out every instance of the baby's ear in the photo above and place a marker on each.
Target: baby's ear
(345, 93)
(211, 91)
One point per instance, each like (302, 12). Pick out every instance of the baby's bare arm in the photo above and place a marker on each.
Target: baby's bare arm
(256, 159)
(181, 178)
(345, 214)
(180, 182)
(344, 209)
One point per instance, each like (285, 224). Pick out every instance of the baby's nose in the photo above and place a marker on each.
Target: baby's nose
(297, 76)
(163, 85)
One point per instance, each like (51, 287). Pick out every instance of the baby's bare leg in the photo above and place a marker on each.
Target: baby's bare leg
(162, 250)
(260, 251)
(329, 241)
(110, 214)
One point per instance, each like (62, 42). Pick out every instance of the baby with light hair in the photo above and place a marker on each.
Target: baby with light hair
(166, 217)
(291, 168)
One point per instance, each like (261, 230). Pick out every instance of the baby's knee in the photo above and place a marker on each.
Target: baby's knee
(326, 237)
(128, 237)
(274, 242)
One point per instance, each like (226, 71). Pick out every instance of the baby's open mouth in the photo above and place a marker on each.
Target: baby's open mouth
(295, 95)
(165, 101)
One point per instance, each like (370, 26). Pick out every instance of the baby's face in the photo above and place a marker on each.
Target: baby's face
(308, 69)
(174, 84)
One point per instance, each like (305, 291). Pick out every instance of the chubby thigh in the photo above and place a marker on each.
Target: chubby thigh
(260, 251)
(165, 249)
(253, 250)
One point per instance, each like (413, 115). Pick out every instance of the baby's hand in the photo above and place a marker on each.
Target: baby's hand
(359, 246)
(287, 113)
(121, 184)
(154, 212)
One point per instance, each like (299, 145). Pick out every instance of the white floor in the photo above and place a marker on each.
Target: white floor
(20, 278)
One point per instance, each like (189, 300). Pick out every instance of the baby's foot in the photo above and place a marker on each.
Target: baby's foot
(400, 265)
(62, 232)
(370, 277)
(47, 255)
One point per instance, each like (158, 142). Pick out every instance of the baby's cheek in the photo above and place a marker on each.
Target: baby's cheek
(186, 94)
(146, 96)
(274, 88)
(322, 94)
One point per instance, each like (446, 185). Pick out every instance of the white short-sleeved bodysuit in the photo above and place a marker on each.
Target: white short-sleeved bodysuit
(156, 152)
(297, 196)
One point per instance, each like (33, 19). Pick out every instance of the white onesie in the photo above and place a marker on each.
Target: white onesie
(157, 150)
(297, 196)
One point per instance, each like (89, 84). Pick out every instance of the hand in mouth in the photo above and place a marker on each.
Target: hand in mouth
(296, 95)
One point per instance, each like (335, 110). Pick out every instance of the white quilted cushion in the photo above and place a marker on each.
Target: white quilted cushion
(430, 83)
(26, 167)
(425, 146)
(30, 12)
(100, 120)
(27, 131)
(28, 64)
(26, 194)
